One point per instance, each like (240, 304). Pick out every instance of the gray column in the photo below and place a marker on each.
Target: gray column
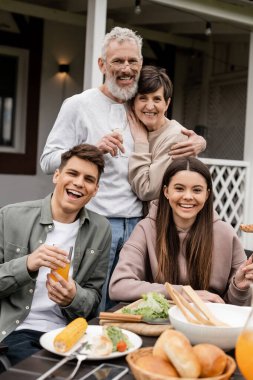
(248, 144)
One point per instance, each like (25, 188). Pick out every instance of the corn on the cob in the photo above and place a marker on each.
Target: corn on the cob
(70, 335)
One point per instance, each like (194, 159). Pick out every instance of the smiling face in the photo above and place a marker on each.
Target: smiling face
(187, 193)
(75, 184)
(150, 109)
(121, 69)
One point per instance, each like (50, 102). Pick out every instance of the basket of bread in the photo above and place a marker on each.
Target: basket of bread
(173, 357)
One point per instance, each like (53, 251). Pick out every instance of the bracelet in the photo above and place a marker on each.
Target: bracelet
(235, 283)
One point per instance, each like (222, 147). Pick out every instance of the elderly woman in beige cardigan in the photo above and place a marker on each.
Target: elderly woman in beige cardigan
(155, 136)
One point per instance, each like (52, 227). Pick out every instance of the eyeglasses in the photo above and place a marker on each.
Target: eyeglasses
(120, 64)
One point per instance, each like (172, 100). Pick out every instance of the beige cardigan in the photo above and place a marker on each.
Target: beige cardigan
(150, 160)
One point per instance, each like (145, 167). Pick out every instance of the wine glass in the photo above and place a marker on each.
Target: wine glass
(244, 346)
(118, 122)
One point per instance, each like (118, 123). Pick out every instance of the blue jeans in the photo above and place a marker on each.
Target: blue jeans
(21, 344)
(121, 230)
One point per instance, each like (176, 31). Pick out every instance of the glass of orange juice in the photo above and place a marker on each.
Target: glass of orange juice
(244, 347)
(64, 272)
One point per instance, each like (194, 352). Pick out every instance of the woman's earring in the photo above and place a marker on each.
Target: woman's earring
(166, 196)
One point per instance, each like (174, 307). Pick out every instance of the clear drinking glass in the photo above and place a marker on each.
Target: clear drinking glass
(118, 123)
(64, 272)
(244, 346)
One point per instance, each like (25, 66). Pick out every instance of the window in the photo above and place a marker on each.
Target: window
(13, 95)
(20, 71)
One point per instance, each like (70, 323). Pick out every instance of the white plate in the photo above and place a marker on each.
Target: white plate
(46, 341)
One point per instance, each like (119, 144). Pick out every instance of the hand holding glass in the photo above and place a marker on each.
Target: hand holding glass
(64, 272)
(118, 122)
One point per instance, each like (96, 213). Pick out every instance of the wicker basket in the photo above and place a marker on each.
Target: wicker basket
(141, 374)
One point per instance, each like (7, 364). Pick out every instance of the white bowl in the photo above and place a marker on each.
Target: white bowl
(223, 337)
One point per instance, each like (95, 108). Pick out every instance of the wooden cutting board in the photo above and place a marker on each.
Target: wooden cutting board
(138, 328)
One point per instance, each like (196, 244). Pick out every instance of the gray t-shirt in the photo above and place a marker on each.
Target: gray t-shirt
(85, 118)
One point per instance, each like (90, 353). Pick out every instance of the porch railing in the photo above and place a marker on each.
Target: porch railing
(231, 190)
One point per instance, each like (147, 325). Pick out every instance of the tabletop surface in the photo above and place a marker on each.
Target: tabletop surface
(37, 364)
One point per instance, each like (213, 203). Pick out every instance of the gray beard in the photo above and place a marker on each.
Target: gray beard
(119, 92)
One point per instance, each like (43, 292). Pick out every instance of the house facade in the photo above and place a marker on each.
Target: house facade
(206, 47)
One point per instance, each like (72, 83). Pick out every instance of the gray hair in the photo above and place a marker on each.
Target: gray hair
(120, 35)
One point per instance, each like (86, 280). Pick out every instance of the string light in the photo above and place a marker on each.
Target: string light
(137, 9)
(208, 30)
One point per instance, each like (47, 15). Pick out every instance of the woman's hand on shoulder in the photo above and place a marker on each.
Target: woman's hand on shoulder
(191, 147)
(137, 128)
(244, 275)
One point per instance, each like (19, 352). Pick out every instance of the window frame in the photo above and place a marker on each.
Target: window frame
(22, 56)
(30, 38)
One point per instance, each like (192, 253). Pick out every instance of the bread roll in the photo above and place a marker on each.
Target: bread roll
(180, 352)
(156, 365)
(212, 359)
(158, 349)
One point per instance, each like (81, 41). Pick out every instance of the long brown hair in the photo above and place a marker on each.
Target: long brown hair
(199, 239)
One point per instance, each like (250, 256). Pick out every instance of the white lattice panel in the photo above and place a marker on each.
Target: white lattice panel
(230, 186)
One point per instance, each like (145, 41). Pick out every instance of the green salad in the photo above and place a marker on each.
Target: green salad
(153, 305)
(116, 335)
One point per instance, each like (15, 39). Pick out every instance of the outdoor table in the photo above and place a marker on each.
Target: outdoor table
(34, 366)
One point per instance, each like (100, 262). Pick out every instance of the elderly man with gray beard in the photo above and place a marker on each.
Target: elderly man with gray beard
(88, 117)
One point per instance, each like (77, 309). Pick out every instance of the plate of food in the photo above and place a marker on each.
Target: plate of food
(105, 342)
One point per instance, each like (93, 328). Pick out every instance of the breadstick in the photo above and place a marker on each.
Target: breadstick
(246, 227)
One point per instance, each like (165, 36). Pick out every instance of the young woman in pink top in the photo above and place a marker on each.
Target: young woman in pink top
(183, 241)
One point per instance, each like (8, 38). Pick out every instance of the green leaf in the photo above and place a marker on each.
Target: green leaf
(153, 305)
